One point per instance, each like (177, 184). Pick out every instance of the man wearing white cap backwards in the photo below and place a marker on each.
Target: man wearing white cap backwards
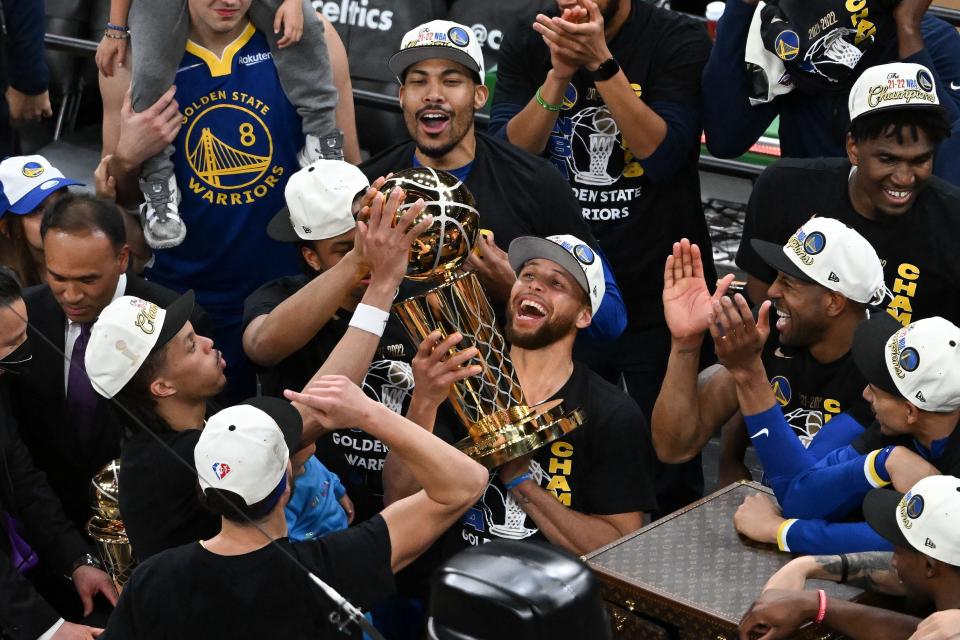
(827, 274)
(587, 488)
(914, 391)
(921, 525)
(884, 189)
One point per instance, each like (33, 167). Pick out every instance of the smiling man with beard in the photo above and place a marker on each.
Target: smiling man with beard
(884, 189)
(827, 274)
(589, 487)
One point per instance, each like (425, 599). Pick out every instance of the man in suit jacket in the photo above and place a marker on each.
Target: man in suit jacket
(29, 508)
(65, 424)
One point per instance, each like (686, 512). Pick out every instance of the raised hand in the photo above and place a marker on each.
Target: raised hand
(337, 402)
(687, 303)
(738, 338)
(435, 368)
(386, 246)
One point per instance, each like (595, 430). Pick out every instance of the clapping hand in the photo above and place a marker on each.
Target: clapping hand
(687, 303)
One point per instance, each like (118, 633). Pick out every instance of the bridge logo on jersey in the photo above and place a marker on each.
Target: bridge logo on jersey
(229, 149)
(781, 390)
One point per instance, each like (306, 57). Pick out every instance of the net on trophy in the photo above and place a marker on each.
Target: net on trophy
(106, 528)
(501, 425)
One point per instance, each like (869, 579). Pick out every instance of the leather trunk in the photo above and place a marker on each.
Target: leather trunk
(691, 576)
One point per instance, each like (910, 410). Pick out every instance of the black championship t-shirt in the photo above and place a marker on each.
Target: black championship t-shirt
(918, 249)
(159, 493)
(189, 592)
(811, 393)
(636, 219)
(603, 467)
(356, 457)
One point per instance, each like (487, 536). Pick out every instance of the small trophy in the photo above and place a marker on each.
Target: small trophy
(501, 425)
(106, 528)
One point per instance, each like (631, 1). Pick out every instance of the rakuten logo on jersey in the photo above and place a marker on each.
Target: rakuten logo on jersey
(487, 38)
(355, 13)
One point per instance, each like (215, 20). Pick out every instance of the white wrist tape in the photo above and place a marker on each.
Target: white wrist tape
(370, 319)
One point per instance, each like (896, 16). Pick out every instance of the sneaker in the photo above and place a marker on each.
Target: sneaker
(162, 226)
(327, 148)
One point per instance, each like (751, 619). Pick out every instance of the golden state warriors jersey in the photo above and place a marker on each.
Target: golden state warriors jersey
(235, 150)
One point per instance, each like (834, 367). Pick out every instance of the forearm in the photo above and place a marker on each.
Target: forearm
(754, 393)
(642, 128)
(857, 621)
(119, 10)
(398, 480)
(577, 532)
(909, 40)
(125, 171)
(295, 321)
(25, 22)
(530, 129)
(868, 570)
(675, 425)
(436, 466)
(822, 537)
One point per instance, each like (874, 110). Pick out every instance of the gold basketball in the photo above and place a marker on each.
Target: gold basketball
(448, 241)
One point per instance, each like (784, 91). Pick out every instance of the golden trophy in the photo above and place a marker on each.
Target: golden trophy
(106, 528)
(501, 425)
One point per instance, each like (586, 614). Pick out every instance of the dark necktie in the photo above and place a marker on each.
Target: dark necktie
(81, 398)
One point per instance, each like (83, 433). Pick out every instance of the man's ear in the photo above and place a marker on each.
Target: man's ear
(124, 257)
(584, 318)
(160, 388)
(835, 303)
(311, 258)
(853, 152)
(480, 95)
(913, 412)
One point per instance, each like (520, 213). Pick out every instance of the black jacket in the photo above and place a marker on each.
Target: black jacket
(40, 404)
(25, 495)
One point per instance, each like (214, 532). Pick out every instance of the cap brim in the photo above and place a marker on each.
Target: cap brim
(32, 200)
(403, 59)
(280, 228)
(902, 107)
(880, 510)
(526, 248)
(869, 350)
(285, 415)
(178, 313)
(774, 256)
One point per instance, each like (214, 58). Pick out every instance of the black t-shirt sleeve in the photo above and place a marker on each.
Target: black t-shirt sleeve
(620, 479)
(354, 561)
(264, 300)
(680, 61)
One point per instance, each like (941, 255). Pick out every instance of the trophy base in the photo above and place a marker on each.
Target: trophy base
(546, 422)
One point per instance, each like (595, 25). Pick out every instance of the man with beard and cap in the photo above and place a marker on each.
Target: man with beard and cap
(821, 295)
(921, 525)
(593, 485)
(31, 516)
(440, 70)
(913, 392)
(608, 91)
(883, 189)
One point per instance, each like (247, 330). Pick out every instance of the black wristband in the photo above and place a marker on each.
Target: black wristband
(607, 69)
(87, 560)
(844, 568)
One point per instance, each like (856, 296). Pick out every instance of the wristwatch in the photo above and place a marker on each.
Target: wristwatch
(87, 560)
(607, 69)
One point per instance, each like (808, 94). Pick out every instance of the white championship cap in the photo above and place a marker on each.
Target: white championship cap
(925, 518)
(127, 331)
(897, 85)
(319, 202)
(571, 253)
(831, 254)
(438, 39)
(244, 449)
(919, 362)
(25, 181)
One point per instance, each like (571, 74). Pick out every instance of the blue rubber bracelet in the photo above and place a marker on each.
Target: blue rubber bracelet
(523, 477)
(117, 27)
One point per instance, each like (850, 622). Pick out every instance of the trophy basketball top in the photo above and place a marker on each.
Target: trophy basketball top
(445, 245)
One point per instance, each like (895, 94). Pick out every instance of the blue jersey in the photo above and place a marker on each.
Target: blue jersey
(234, 153)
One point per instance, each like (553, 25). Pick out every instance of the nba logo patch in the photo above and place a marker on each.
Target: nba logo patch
(220, 469)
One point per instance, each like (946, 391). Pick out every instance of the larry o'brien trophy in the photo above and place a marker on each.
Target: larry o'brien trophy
(106, 528)
(501, 425)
